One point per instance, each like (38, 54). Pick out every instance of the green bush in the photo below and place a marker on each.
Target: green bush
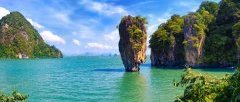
(13, 97)
(206, 88)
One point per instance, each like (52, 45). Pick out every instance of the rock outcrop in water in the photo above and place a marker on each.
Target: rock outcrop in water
(19, 39)
(166, 43)
(132, 44)
(181, 40)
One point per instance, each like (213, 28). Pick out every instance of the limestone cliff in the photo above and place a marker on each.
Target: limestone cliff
(132, 44)
(180, 40)
(193, 42)
(166, 43)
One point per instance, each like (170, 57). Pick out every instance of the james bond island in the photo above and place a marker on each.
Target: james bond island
(71, 51)
(132, 44)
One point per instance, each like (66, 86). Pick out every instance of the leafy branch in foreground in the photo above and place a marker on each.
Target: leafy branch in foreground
(14, 97)
(205, 88)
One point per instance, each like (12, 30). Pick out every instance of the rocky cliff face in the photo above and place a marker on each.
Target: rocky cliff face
(166, 43)
(181, 40)
(163, 58)
(132, 44)
(18, 39)
(193, 42)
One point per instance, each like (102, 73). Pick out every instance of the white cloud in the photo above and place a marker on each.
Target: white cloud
(103, 8)
(99, 46)
(112, 36)
(76, 42)
(85, 32)
(153, 27)
(112, 39)
(62, 17)
(50, 37)
(192, 6)
(162, 20)
(3, 12)
(35, 24)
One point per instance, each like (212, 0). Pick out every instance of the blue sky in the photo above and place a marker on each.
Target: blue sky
(89, 26)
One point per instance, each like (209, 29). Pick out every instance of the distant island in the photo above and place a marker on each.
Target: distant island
(19, 39)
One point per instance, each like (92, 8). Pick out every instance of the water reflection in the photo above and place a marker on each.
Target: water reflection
(109, 70)
(133, 88)
(161, 80)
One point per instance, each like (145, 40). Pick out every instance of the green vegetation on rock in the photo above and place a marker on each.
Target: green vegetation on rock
(136, 30)
(166, 43)
(201, 19)
(19, 38)
(132, 44)
(165, 35)
(210, 36)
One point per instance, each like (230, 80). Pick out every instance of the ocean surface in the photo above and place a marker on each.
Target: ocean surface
(91, 79)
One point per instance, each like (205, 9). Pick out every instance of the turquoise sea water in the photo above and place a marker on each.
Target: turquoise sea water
(91, 79)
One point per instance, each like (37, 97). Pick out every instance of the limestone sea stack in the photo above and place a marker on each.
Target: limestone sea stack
(132, 44)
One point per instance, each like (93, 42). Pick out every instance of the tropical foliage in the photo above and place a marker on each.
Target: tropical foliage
(217, 33)
(136, 29)
(165, 35)
(166, 42)
(13, 97)
(221, 42)
(205, 88)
